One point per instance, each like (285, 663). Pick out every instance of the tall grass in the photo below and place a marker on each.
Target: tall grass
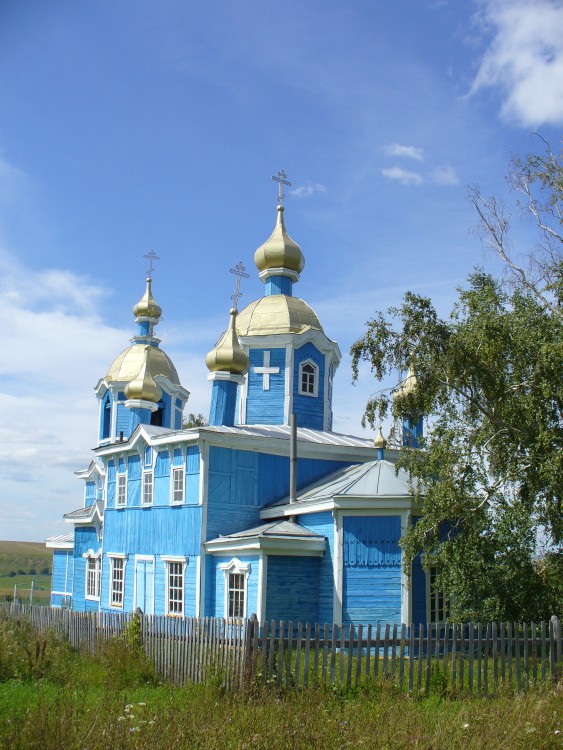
(52, 698)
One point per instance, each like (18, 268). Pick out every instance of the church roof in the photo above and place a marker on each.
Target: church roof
(60, 541)
(283, 431)
(276, 313)
(276, 529)
(370, 481)
(277, 537)
(85, 515)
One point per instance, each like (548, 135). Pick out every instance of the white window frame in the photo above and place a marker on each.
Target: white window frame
(121, 484)
(146, 474)
(316, 374)
(437, 601)
(94, 575)
(117, 561)
(235, 567)
(180, 487)
(178, 605)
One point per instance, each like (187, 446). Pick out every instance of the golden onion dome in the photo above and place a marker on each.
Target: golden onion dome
(127, 365)
(228, 355)
(407, 386)
(279, 251)
(276, 313)
(143, 386)
(380, 441)
(147, 307)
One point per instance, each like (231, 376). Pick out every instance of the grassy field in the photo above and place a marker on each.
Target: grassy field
(52, 698)
(25, 556)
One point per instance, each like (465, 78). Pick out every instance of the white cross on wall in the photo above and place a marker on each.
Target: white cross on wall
(266, 371)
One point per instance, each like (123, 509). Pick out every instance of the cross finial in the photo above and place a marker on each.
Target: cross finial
(238, 271)
(282, 181)
(150, 256)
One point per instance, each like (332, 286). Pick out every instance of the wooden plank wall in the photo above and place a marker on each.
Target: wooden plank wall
(475, 658)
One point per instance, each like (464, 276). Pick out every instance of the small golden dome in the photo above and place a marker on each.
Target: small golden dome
(127, 365)
(147, 306)
(143, 386)
(380, 441)
(228, 355)
(279, 251)
(276, 313)
(407, 386)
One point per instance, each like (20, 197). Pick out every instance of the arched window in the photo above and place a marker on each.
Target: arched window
(308, 378)
(157, 416)
(106, 417)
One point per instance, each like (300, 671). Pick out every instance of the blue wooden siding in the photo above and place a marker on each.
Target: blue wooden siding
(242, 482)
(85, 538)
(372, 570)
(278, 285)
(215, 585)
(63, 576)
(162, 478)
(293, 588)
(134, 481)
(265, 407)
(124, 420)
(166, 401)
(89, 493)
(323, 523)
(223, 403)
(232, 497)
(309, 409)
(110, 491)
(171, 530)
(273, 474)
(192, 474)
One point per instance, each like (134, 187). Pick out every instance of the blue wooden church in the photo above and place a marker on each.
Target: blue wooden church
(236, 518)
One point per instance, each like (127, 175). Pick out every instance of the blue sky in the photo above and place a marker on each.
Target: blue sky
(130, 125)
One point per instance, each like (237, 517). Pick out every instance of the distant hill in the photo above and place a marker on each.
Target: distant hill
(24, 556)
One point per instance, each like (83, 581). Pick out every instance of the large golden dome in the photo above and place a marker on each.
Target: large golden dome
(127, 365)
(279, 250)
(143, 386)
(276, 313)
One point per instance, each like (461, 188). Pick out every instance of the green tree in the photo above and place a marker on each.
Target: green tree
(194, 420)
(488, 380)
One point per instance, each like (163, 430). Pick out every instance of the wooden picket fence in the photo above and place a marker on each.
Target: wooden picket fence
(474, 657)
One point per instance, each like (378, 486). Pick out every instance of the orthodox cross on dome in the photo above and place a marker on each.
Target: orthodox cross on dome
(282, 181)
(150, 256)
(238, 271)
(266, 371)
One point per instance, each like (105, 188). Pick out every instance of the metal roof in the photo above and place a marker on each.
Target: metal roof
(61, 538)
(370, 480)
(275, 529)
(283, 432)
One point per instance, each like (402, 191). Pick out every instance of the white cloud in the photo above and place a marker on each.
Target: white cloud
(445, 175)
(524, 59)
(403, 175)
(408, 152)
(306, 191)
